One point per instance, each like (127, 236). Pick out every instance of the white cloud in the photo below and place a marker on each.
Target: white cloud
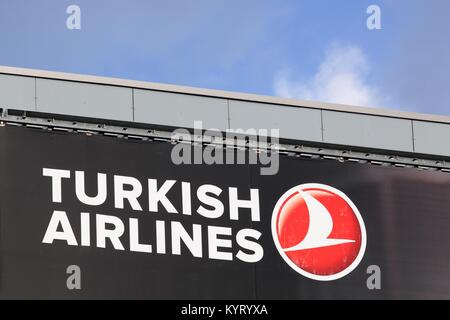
(340, 78)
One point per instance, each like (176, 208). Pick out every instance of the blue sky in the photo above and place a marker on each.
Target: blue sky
(307, 49)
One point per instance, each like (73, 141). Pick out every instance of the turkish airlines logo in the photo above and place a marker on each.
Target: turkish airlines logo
(318, 231)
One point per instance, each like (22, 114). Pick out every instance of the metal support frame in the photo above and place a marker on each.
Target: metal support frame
(291, 150)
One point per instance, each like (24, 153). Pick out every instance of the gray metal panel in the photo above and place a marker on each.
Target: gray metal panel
(294, 123)
(367, 131)
(179, 110)
(17, 92)
(82, 99)
(222, 94)
(431, 138)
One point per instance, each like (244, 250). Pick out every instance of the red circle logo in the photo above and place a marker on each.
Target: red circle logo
(318, 231)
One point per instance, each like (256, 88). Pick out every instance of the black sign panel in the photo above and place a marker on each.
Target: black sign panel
(61, 237)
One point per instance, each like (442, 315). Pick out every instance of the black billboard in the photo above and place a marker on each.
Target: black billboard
(89, 216)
